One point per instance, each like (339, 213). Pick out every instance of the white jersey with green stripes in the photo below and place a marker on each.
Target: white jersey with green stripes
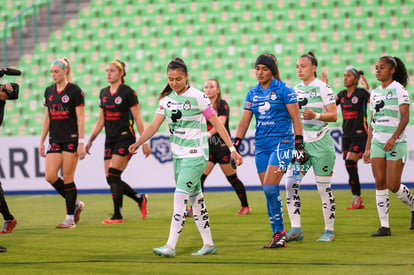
(186, 122)
(315, 96)
(385, 106)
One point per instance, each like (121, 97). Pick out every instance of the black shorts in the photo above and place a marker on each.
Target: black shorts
(354, 145)
(219, 155)
(119, 147)
(59, 147)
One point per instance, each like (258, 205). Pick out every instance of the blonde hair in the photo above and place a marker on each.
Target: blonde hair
(64, 64)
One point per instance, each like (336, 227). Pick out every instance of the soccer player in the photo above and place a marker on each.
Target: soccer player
(274, 105)
(186, 110)
(353, 102)
(119, 108)
(219, 153)
(386, 147)
(9, 220)
(317, 107)
(64, 121)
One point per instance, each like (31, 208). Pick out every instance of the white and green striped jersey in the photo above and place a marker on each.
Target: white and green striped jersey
(385, 106)
(186, 122)
(316, 95)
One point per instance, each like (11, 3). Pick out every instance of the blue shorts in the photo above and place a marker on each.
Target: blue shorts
(279, 156)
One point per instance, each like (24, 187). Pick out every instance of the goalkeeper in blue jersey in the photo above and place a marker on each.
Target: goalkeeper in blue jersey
(274, 105)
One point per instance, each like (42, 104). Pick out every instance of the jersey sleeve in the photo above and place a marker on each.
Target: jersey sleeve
(79, 97)
(223, 109)
(161, 110)
(203, 102)
(132, 98)
(248, 101)
(289, 95)
(327, 95)
(403, 97)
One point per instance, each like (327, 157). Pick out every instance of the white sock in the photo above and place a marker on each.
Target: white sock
(383, 203)
(328, 201)
(293, 198)
(178, 218)
(405, 196)
(201, 218)
(70, 218)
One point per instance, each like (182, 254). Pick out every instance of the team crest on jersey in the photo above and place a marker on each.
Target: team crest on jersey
(354, 100)
(65, 99)
(118, 100)
(273, 96)
(187, 105)
(313, 93)
(389, 95)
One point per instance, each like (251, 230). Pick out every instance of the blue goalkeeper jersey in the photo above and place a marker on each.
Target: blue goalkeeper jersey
(273, 122)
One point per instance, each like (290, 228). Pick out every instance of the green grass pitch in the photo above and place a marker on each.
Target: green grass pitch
(36, 247)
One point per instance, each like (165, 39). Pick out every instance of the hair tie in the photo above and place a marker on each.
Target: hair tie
(354, 72)
(268, 62)
(60, 63)
(118, 64)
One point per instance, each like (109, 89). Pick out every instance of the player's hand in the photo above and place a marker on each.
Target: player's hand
(133, 148)
(366, 157)
(300, 155)
(146, 149)
(42, 150)
(81, 150)
(389, 145)
(308, 114)
(363, 82)
(324, 77)
(88, 147)
(236, 159)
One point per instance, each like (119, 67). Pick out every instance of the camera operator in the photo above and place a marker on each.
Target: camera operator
(9, 220)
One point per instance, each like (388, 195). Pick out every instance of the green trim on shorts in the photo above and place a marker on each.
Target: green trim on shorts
(398, 152)
(321, 156)
(187, 173)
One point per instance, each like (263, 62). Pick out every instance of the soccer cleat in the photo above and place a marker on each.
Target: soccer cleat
(357, 203)
(412, 220)
(143, 206)
(244, 210)
(294, 234)
(205, 250)
(278, 240)
(8, 226)
(110, 220)
(165, 251)
(382, 232)
(78, 209)
(66, 224)
(327, 236)
(3, 249)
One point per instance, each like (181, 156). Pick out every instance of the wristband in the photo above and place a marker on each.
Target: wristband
(317, 116)
(81, 140)
(232, 149)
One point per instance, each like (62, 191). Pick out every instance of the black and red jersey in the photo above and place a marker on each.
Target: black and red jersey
(62, 111)
(223, 110)
(354, 112)
(116, 108)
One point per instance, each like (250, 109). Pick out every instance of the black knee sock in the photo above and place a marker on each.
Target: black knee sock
(4, 209)
(239, 188)
(70, 197)
(130, 192)
(114, 180)
(354, 184)
(59, 186)
(203, 179)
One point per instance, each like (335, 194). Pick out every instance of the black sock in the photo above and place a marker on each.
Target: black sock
(203, 179)
(114, 180)
(4, 209)
(354, 184)
(59, 186)
(239, 188)
(130, 192)
(70, 197)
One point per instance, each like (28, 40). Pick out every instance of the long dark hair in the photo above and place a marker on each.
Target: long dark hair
(400, 75)
(175, 64)
(312, 58)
